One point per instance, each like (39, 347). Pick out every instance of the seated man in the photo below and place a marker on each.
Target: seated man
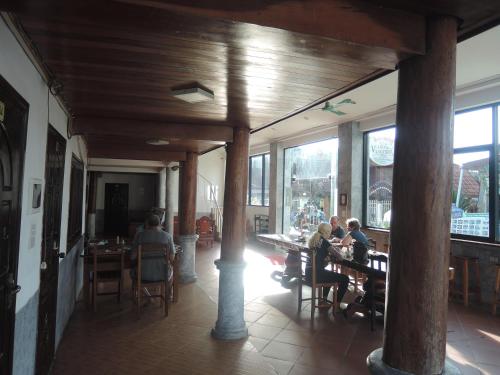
(338, 232)
(153, 269)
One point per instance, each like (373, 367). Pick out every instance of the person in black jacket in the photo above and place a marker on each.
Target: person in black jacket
(319, 243)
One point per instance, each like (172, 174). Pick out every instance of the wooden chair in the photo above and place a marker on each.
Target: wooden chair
(317, 300)
(205, 230)
(107, 268)
(496, 294)
(160, 288)
(462, 263)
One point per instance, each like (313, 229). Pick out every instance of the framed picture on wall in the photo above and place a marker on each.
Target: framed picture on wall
(343, 199)
(35, 195)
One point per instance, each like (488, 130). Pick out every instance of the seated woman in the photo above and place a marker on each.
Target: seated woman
(319, 242)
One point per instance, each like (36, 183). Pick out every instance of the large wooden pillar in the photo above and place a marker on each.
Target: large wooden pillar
(187, 217)
(230, 323)
(417, 301)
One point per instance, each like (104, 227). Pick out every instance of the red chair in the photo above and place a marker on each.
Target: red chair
(205, 228)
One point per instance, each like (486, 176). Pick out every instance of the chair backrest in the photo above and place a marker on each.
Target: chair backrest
(108, 261)
(379, 261)
(152, 253)
(204, 225)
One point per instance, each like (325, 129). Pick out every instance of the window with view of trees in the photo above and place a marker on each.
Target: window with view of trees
(75, 203)
(258, 180)
(473, 188)
(310, 186)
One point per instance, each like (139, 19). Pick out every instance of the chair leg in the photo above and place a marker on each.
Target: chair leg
(166, 296)
(299, 307)
(478, 281)
(465, 287)
(313, 301)
(94, 293)
(139, 302)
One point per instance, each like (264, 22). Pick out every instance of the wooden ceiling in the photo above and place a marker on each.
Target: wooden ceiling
(118, 61)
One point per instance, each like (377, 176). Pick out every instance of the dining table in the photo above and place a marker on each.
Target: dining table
(374, 268)
(109, 247)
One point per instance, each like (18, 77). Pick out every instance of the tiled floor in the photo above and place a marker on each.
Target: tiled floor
(281, 341)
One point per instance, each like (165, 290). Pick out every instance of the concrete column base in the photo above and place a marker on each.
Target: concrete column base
(230, 323)
(187, 273)
(378, 367)
(91, 229)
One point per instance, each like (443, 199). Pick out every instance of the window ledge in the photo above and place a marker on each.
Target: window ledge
(485, 243)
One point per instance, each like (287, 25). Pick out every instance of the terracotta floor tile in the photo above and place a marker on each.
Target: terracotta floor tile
(282, 341)
(262, 331)
(285, 352)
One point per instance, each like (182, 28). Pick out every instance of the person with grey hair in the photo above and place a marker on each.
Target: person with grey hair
(354, 233)
(337, 231)
(152, 269)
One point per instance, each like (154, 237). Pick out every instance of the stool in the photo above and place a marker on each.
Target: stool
(462, 263)
(496, 295)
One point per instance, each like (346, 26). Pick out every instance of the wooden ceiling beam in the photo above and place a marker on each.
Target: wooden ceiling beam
(151, 129)
(350, 21)
(112, 151)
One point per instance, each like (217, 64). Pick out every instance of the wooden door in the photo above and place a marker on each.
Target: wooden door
(116, 209)
(13, 119)
(49, 268)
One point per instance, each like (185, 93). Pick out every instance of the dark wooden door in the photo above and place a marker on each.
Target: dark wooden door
(49, 268)
(116, 209)
(13, 119)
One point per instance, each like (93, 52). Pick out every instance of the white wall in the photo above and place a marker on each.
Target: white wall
(17, 69)
(211, 170)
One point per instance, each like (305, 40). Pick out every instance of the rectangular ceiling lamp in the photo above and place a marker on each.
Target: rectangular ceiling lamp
(193, 95)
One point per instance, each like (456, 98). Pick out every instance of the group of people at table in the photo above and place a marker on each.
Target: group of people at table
(327, 242)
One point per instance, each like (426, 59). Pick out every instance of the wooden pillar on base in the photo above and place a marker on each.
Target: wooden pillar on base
(230, 323)
(187, 217)
(417, 300)
(92, 204)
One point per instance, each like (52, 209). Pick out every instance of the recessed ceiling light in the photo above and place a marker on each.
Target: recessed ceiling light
(193, 95)
(157, 142)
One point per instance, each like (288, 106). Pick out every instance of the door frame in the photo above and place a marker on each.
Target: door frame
(51, 130)
(11, 92)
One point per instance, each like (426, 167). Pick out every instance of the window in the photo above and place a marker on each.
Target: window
(475, 179)
(75, 203)
(310, 186)
(380, 153)
(472, 143)
(258, 186)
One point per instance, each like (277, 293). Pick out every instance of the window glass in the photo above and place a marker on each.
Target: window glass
(256, 180)
(473, 128)
(380, 165)
(267, 167)
(310, 186)
(470, 194)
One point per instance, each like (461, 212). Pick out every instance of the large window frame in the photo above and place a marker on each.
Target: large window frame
(494, 169)
(75, 214)
(264, 179)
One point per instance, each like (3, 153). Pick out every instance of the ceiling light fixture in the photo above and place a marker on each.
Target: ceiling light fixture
(193, 94)
(157, 142)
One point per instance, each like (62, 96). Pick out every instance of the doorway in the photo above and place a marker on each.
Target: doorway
(116, 209)
(13, 125)
(49, 268)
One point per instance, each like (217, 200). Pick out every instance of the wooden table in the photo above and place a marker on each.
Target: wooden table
(113, 249)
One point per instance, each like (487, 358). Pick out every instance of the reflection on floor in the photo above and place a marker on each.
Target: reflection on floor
(113, 341)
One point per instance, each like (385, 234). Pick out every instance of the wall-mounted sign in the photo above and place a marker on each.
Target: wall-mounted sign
(2, 111)
(382, 151)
